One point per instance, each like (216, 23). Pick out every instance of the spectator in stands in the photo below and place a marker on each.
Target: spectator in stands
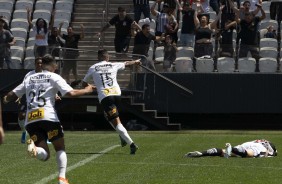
(6, 40)
(172, 28)
(215, 5)
(187, 36)
(71, 53)
(2, 134)
(226, 41)
(205, 5)
(244, 9)
(41, 33)
(249, 35)
(42, 122)
(141, 6)
(54, 41)
(271, 33)
(122, 23)
(142, 41)
(170, 50)
(104, 76)
(254, 4)
(204, 30)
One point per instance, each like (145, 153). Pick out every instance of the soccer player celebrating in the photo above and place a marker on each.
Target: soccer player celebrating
(252, 149)
(104, 74)
(41, 120)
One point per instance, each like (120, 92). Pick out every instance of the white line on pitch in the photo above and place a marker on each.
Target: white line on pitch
(80, 163)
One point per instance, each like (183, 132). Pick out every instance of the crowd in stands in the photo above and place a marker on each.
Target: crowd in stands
(165, 31)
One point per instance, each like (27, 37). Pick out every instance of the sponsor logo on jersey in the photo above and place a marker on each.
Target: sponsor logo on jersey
(102, 67)
(110, 91)
(52, 134)
(42, 78)
(37, 114)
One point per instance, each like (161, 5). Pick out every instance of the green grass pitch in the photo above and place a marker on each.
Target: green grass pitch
(96, 158)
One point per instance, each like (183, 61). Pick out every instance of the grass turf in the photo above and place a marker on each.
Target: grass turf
(158, 161)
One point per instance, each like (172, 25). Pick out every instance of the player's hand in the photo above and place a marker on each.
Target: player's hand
(90, 88)
(57, 97)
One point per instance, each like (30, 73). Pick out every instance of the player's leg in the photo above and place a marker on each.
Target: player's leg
(209, 152)
(113, 116)
(56, 136)
(36, 145)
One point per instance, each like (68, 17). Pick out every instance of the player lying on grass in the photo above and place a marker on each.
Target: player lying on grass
(251, 149)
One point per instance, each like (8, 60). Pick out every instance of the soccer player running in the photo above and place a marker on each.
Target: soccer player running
(252, 149)
(41, 121)
(104, 75)
(22, 101)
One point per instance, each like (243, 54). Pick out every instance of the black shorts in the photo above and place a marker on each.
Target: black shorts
(43, 130)
(110, 105)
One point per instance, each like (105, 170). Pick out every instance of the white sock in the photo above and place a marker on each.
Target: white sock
(21, 123)
(123, 133)
(41, 154)
(61, 157)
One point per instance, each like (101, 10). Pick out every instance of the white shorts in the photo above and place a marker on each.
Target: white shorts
(258, 149)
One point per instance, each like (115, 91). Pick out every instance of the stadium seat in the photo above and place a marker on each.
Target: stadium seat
(29, 63)
(45, 14)
(268, 52)
(265, 5)
(159, 54)
(6, 14)
(64, 5)
(16, 62)
(267, 65)
(265, 23)
(30, 41)
(44, 5)
(246, 64)
(63, 15)
(183, 65)
(185, 52)
(268, 42)
(19, 14)
(23, 4)
(58, 21)
(7, 5)
(17, 51)
(225, 65)
(29, 52)
(20, 23)
(20, 41)
(204, 65)
(19, 32)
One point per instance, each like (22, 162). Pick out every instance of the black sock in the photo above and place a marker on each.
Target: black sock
(212, 152)
(237, 152)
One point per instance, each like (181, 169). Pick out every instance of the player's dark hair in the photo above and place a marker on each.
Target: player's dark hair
(102, 54)
(47, 59)
(37, 59)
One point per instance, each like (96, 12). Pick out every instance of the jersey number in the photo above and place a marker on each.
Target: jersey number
(106, 79)
(41, 100)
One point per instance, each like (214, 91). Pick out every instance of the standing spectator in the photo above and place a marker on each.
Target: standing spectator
(142, 41)
(172, 28)
(71, 53)
(122, 23)
(141, 6)
(54, 41)
(226, 42)
(244, 9)
(2, 134)
(249, 35)
(8, 56)
(6, 40)
(187, 36)
(170, 50)
(204, 30)
(41, 34)
(42, 122)
(104, 75)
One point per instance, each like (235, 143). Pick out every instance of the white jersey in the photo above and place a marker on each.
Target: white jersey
(260, 148)
(104, 75)
(41, 89)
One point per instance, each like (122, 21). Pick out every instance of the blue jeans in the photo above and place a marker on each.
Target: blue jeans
(187, 40)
